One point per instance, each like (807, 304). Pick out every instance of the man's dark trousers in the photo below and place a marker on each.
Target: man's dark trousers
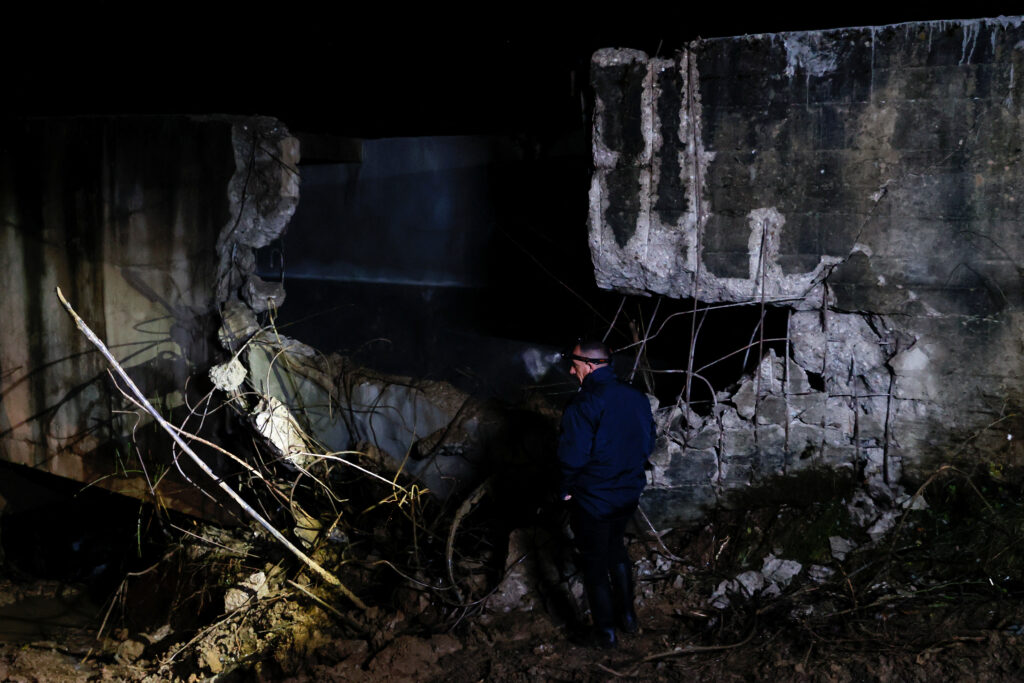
(601, 544)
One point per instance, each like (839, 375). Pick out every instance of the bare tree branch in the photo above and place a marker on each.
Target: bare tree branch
(320, 571)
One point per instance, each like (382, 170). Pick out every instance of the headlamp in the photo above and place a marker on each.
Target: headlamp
(584, 359)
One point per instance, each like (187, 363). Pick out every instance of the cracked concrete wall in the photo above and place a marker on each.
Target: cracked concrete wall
(126, 215)
(866, 179)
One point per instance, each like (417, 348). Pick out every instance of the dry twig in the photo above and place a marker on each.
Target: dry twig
(677, 652)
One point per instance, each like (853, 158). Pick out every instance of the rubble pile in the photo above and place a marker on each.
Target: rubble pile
(776, 591)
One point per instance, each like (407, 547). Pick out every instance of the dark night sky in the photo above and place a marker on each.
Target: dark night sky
(506, 68)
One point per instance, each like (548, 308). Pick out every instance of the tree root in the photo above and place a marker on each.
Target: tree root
(463, 510)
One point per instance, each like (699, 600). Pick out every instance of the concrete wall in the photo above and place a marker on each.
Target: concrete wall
(866, 179)
(147, 225)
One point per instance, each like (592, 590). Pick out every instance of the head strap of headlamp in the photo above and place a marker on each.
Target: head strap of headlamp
(584, 359)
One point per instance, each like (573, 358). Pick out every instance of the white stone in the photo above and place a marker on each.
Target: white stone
(840, 546)
(253, 588)
(228, 376)
(276, 424)
(780, 571)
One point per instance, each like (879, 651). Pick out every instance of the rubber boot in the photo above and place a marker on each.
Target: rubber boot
(622, 588)
(603, 638)
(599, 596)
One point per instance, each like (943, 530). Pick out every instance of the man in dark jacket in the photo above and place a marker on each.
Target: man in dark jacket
(606, 435)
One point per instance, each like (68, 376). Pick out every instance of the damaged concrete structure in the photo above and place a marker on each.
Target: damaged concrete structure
(865, 180)
(149, 226)
(862, 180)
(313, 407)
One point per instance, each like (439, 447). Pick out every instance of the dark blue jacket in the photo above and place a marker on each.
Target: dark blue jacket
(607, 433)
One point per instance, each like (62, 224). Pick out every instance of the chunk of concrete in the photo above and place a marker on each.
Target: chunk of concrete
(228, 377)
(238, 325)
(780, 571)
(840, 547)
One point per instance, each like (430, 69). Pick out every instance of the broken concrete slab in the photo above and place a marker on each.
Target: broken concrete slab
(430, 431)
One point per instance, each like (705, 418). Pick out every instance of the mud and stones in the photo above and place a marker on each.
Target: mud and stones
(773, 591)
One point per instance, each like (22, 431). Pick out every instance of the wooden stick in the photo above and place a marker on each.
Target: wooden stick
(320, 571)
(657, 537)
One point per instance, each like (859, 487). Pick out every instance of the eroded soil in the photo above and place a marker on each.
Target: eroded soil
(939, 598)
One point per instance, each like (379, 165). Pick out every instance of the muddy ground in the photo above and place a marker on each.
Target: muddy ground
(764, 593)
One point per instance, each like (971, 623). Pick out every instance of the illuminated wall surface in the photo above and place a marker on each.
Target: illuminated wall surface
(863, 181)
(866, 179)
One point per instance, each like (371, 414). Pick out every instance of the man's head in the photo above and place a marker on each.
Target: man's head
(587, 356)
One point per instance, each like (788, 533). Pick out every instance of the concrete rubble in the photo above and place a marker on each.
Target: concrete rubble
(775, 575)
(871, 518)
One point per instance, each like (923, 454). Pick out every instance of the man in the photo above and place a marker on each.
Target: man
(606, 435)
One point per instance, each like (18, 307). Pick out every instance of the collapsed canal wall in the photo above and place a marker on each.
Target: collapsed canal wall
(866, 181)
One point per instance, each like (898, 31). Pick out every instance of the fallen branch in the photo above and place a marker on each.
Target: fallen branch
(677, 652)
(320, 571)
